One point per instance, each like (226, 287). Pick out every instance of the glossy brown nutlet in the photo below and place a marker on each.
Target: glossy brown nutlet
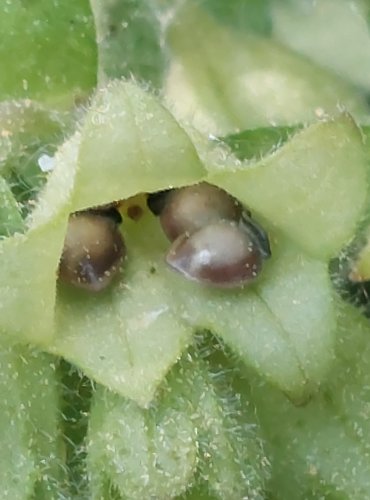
(93, 250)
(220, 254)
(190, 208)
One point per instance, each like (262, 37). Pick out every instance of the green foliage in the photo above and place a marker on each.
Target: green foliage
(29, 132)
(243, 15)
(108, 396)
(254, 143)
(31, 455)
(155, 452)
(49, 50)
(225, 82)
(321, 448)
(31, 264)
(304, 27)
(128, 40)
(10, 217)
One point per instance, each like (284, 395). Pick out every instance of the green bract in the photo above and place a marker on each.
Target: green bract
(143, 323)
(269, 325)
(140, 156)
(295, 187)
(30, 261)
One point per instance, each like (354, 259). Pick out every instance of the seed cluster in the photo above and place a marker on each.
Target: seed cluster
(213, 240)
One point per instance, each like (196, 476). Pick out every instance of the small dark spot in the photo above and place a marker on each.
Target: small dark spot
(328, 397)
(367, 99)
(152, 270)
(357, 294)
(135, 212)
(247, 212)
(112, 29)
(80, 99)
(102, 358)
(300, 424)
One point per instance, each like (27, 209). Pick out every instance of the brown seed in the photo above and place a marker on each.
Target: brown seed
(221, 254)
(188, 209)
(134, 212)
(93, 250)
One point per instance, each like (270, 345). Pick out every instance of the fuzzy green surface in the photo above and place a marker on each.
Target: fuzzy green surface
(147, 403)
(49, 49)
(298, 187)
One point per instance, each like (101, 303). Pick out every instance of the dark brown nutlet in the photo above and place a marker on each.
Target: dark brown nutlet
(156, 201)
(93, 250)
(190, 208)
(221, 254)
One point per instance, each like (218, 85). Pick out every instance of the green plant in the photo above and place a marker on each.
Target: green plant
(159, 387)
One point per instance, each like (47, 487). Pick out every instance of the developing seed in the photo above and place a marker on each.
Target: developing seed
(93, 250)
(221, 254)
(188, 209)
